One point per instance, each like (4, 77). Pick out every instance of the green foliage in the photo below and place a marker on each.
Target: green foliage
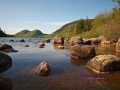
(27, 33)
(110, 28)
(2, 34)
(74, 28)
(100, 20)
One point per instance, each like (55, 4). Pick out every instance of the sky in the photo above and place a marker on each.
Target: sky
(47, 15)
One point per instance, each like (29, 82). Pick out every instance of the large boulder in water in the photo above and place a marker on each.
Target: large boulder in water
(5, 62)
(43, 69)
(76, 40)
(5, 83)
(118, 46)
(58, 40)
(104, 63)
(7, 48)
(82, 51)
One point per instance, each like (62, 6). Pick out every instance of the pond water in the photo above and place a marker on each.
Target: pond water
(65, 73)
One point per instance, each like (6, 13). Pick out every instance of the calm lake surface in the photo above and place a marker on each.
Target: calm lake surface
(66, 71)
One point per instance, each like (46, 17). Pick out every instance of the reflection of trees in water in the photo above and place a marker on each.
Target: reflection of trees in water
(104, 49)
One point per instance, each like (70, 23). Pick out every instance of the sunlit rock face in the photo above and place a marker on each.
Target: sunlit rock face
(43, 69)
(104, 64)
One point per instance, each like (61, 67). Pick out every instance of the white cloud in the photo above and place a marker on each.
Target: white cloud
(56, 23)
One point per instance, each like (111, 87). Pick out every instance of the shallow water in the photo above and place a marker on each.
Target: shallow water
(66, 71)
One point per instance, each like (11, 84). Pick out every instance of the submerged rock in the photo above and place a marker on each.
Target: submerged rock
(43, 69)
(76, 40)
(104, 63)
(5, 62)
(58, 40)
(5, 83)
(118, 46)
(82, 51)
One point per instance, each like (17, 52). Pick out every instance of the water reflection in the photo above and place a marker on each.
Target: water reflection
(105, 49)
(78, 62)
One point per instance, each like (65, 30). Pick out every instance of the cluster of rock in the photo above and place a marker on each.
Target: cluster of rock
(81, 48)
